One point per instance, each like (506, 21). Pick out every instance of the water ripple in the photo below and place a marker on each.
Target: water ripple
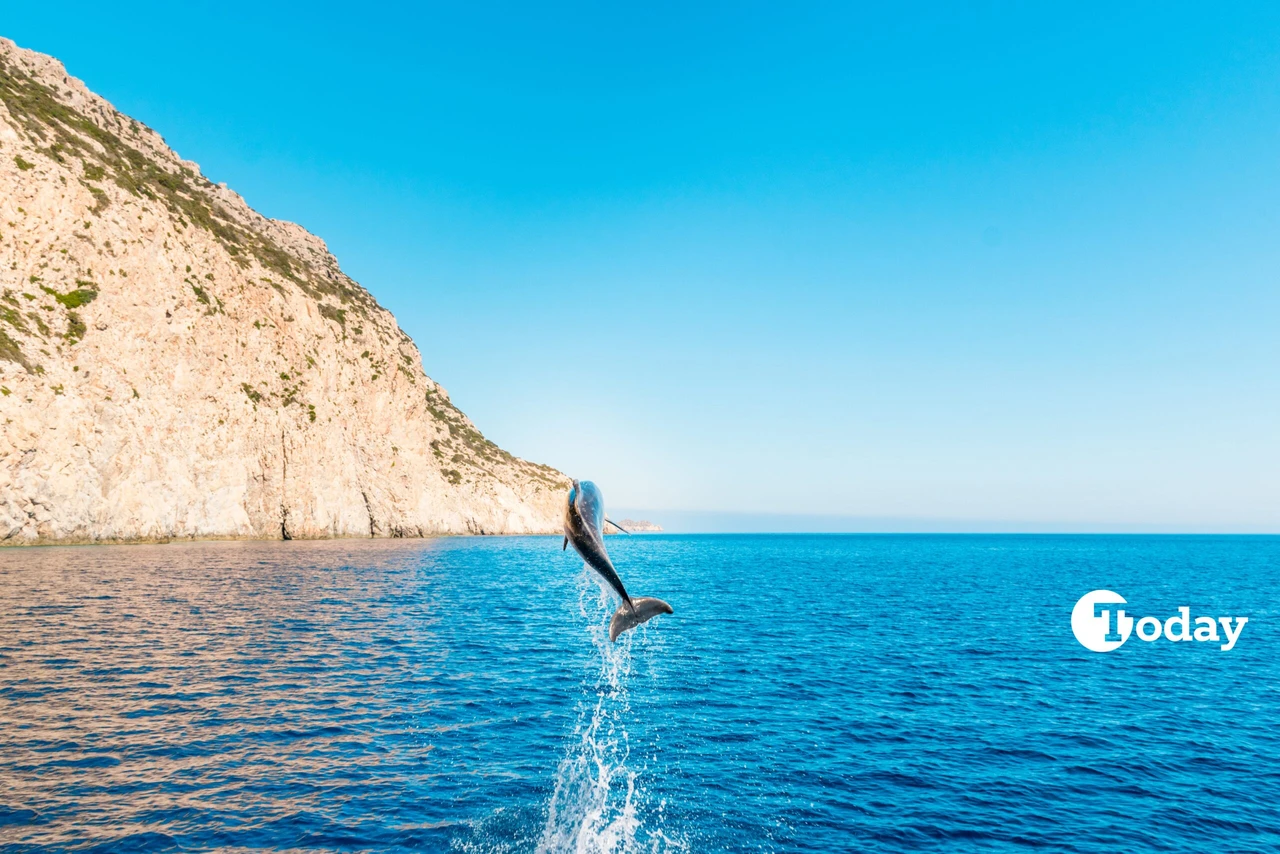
(809, 694)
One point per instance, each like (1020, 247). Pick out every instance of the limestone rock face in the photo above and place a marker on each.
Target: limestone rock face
(173, 364)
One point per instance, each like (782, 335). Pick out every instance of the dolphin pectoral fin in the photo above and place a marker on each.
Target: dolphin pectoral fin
(566, 544)
(616, 525)
(641, 610)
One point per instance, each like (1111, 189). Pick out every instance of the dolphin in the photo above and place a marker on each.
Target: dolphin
(583, 520)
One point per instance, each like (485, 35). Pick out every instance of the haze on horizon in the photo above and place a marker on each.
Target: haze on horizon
(931, 268)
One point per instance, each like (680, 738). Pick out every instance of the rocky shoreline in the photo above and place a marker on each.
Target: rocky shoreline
(175, 366)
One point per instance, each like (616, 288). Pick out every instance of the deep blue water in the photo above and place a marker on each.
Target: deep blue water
(810, 693)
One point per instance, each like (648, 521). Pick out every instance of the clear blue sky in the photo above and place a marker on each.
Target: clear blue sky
(963, 265)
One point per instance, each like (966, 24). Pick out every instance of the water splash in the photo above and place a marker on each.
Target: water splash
(596, 805)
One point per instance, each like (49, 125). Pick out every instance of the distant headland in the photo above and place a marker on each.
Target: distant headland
(638, 526)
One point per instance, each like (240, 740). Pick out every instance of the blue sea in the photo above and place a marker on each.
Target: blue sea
(810, 693)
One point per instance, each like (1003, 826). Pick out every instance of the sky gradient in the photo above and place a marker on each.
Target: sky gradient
(947, 266)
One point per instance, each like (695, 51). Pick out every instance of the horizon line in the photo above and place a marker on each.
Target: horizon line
(747, 522)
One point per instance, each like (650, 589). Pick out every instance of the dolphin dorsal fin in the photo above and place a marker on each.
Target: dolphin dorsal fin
(616, 525)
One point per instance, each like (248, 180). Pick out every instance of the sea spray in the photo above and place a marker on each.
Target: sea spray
(595, 806)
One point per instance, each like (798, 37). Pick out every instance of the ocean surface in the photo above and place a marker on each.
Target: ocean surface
(810, 693)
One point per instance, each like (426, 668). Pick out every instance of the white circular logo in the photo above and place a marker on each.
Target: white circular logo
(1099, 621)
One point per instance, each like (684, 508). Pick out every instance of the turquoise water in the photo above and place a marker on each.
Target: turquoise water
(810, 693)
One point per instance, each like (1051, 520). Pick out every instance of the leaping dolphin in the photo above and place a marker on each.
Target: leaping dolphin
(583, 519)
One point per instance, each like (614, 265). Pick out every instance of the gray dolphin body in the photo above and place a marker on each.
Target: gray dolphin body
(583, 520)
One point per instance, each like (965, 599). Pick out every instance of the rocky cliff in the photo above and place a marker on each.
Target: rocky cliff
(173, 364)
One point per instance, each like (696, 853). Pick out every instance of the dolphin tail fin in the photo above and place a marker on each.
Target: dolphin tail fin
(640, 610)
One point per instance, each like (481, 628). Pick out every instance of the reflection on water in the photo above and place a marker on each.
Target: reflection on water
(809, 693)
(299, 695)
(147, 686)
